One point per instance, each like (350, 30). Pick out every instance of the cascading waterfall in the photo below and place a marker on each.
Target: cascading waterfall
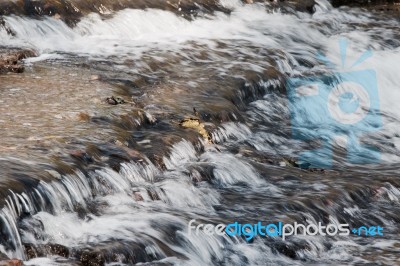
(72, 190)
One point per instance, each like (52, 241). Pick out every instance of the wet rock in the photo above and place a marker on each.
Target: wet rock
(387, 5)
(115, 100)
(72, 10)
(298, 5)
(10, 61)
(153, 194)
(149, 118)
(301, 5)
(286, 249)
(195, 123)
(3, 257)
(5, 68)
(196, 176)
(5, 27)
(92, 258)
(82, 156)
(134, 155)
(289, 249)
(117, 253)
(316, 170)
(13, 262)
(121, 143)
(19, 55)
(289, 162)
(157, 161)
(45, 250)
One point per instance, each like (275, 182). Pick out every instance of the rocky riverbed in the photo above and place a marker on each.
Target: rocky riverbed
(124, 120)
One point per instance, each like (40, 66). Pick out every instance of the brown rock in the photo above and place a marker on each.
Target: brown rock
(10, 61)
(199, 126)
(72, 10)
(13, 262)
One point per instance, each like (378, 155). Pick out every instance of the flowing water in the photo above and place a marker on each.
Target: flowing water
(87, 183)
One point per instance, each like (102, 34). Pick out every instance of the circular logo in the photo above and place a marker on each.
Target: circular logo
(348, 102)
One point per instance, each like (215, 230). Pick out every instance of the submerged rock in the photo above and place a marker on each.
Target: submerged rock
(82, 116)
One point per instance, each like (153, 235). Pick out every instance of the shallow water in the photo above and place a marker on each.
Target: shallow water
(119, 184)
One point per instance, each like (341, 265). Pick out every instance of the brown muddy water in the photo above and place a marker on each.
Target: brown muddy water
(97, 169)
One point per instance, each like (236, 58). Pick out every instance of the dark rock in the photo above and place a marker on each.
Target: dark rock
(298, 5)
(111, 100)
(153, 194)
(387, 4)
(124, 253)
(387, 7)
(81, 156)
(3, 257)
(92, 258)
(115, 100)
(289, 250)
(4, 26)
(44, 250)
